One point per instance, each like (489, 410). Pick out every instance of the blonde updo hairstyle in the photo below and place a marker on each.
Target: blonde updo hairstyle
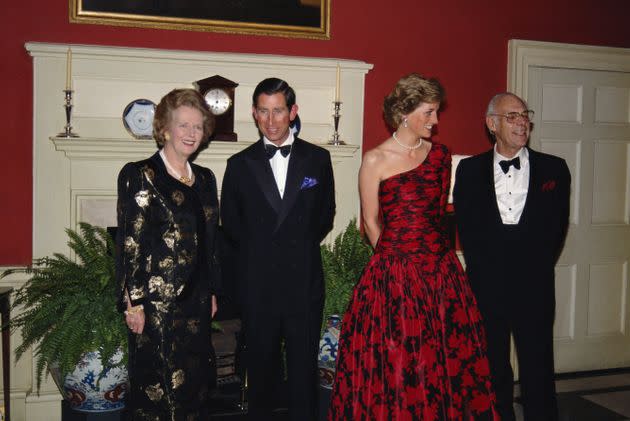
(173, 100)
(410, 91)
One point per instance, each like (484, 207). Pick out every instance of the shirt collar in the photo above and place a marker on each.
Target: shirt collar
(289, 140)
(523, 156)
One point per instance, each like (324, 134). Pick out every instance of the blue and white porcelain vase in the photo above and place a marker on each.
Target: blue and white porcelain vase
(328, 345)
(86, 393)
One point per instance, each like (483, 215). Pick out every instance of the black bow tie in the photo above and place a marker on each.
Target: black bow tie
(271, 150)
(505, 165)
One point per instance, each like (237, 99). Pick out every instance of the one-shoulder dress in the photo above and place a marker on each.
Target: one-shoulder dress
(412, 346)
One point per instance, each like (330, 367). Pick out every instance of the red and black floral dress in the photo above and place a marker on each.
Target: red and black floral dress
(412, 346)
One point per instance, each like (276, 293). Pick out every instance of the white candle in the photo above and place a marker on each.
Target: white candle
(69, 70)
(338, 83)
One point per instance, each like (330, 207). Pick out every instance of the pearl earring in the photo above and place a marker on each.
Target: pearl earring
(405, 122)
(167, 136)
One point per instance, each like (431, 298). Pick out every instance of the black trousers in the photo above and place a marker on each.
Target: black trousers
(263, 337)
(523, 306)
(533, 338)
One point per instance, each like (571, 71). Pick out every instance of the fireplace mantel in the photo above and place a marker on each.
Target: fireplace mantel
(105, 79)
(132, 150)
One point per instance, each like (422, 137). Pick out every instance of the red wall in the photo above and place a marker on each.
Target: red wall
(464, 43)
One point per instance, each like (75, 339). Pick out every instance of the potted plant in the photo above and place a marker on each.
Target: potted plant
(67, 313)
(343, 263)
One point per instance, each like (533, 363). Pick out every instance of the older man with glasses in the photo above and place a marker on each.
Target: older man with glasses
(512, 210)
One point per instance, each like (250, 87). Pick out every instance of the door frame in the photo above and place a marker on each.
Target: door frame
(523, 54)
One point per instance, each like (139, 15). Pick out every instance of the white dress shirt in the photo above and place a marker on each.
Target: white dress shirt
(511, 187)
(280, 164)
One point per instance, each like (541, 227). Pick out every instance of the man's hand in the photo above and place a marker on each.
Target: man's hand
(214, 309)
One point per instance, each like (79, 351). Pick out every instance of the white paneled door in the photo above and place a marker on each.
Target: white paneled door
(584, 117)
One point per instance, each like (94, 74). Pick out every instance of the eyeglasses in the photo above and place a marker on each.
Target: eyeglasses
(526, 115)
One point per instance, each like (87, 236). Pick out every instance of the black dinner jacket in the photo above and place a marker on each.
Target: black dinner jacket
(503, 269)
(277, 239)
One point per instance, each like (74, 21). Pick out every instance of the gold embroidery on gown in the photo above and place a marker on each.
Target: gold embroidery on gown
(166, 261)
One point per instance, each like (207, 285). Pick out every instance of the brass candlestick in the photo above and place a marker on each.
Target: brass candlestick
(336, 116)
(68, 106)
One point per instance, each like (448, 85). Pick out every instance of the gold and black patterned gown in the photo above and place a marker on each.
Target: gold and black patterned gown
(165, 259)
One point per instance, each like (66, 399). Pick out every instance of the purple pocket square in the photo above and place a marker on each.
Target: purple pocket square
(308, 182)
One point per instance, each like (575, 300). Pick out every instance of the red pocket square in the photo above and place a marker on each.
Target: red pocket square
(549, 185)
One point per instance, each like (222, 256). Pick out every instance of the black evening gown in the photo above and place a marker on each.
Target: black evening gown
(165, 260)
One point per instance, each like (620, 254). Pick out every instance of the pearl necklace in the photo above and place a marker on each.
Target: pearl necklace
(184, 179)
(411, 148)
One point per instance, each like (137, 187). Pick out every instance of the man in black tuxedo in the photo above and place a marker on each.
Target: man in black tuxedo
(277, 205)
(512, 210)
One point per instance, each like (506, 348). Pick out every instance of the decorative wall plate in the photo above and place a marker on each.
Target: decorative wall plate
(138, 118)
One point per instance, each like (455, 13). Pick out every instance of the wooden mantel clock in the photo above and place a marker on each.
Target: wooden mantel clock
(219, 94)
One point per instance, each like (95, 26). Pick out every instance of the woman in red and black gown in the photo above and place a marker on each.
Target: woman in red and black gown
(412, 346)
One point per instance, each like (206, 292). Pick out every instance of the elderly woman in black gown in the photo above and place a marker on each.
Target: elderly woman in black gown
(167, 219)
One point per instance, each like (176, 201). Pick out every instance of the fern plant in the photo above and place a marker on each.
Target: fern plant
(68, 307)
(343, 263)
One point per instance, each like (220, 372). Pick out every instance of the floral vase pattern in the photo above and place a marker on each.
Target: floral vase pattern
(328, 345)
(86, 393)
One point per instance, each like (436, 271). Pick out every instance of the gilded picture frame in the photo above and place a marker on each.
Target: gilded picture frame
(285, 18)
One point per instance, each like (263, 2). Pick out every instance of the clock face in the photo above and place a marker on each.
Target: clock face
(218, 100)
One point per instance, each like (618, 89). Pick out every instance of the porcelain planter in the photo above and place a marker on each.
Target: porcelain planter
(328, 344)
(86, 393)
